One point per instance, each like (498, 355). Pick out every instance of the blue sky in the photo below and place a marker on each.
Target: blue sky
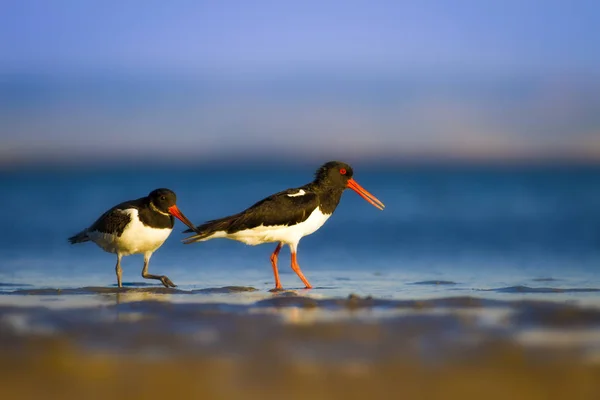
(496, 77)
(241, 36)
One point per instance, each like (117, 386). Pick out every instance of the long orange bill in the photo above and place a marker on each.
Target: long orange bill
(174, 211)
(352, 184)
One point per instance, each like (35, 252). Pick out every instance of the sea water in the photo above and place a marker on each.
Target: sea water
(505, 232)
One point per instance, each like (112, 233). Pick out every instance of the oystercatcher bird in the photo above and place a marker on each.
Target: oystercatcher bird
(288, 216)
(136, 226)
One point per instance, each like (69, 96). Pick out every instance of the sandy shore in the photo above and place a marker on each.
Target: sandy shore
(138, 343)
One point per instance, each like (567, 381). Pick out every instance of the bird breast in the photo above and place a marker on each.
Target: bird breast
(136, 237)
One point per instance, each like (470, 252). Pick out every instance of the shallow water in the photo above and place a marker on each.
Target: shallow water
(493, 232)
(149, 343)
(473, 282)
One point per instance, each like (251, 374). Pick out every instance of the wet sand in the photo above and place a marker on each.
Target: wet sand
(237, 342)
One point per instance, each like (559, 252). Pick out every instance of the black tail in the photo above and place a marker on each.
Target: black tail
(208, 228)
(79, 238)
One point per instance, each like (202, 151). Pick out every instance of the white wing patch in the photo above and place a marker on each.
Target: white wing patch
(300, 193)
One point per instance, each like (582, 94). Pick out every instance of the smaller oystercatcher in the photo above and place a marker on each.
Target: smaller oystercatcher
(136, 226)
(288, 216)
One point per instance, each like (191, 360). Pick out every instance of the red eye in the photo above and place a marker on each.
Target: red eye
(343, 171)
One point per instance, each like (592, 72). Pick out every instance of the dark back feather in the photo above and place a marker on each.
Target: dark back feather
(114, 221)
(277, 209)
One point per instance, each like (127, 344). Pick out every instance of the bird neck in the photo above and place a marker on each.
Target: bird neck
(329, 196)
(153, 217)
(155, 209)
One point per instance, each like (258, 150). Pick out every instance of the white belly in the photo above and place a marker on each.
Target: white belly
(278, 233)
(136, 238)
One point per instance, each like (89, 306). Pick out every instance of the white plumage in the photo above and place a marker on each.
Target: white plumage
(136, 237)
(290, 235)
(301, 192)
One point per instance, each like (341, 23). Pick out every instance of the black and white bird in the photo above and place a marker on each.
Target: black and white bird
(288, 216)
(136, 226)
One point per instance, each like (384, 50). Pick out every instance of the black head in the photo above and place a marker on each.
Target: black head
(163, 199)
(335, 174)
(339, 175)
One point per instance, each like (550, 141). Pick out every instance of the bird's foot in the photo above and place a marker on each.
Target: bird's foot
(276, 289)
(167, 282)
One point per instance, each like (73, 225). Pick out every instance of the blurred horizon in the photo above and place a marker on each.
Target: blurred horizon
(201, 82)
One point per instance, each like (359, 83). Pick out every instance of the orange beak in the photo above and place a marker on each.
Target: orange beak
(352, 184)
(174, 211)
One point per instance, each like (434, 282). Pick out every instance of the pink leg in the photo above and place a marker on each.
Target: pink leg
(298, 272)
(274, 265)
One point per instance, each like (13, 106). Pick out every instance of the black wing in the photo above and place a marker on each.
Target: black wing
(113, 221)
(277, 209)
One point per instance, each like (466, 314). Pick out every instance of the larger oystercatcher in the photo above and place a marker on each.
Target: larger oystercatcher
(136, 226)
(287, 216)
